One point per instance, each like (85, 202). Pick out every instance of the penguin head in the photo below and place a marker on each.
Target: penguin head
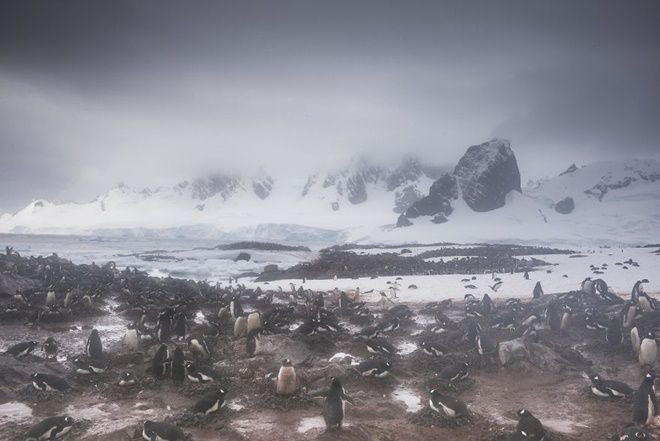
(595, 378)
(388, 364)
(35, 376)
(33, 343)
(94, 333)
(644, 281)
(524, 413)
(68, 421)
(286, 363)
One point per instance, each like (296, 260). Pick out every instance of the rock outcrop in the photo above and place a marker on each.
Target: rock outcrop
(565, 206)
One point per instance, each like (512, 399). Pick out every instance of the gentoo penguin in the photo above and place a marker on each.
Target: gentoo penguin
(252, 343)
(48, 383)
(210, 402)
(648, 350)
(50, 348)
(308, 327)
(609, 388)
(127, 379)
(94, 349)
(154, 431)
(50, 298)
(588, 287)
(254, 322)
(380, 346)
(132, 340)
(644, 404)
(614, 334)
(333, 407)
(68, 298)
(178, 366)
(91, 366)
(594, 321)
(637, 289)
(164, 327)
(50, 429)
(388, 325)
(433, 348)
(526, 275)
(287, 382)
(374, 368)
(454, 372)
(566, 318)
(633, 433)
(529, 426)
(200, 374)
(199, 347)
(553, 316)
(235, 307)
(485, 344)
(449, 406)
(538, 291)
(636, 333)
(646, 302)
(21, 349)
(630, 312)
(487, 305)
(160, 362)
(370, 332)
(180, 325)
(240, 327)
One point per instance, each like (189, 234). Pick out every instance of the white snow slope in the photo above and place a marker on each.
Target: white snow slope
(626, 212)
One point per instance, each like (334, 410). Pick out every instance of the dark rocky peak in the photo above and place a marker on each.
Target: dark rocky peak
(486, 174)
(569, 170)
(204, 188)
(262, 185)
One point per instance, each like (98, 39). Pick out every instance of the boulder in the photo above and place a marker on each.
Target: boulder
(243, 256)
(403, 221)
(486, 174)
(271, 268)
(565, 206)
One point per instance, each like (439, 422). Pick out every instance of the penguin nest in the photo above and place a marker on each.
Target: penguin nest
(454, 388)
(429, 418)
(264, 390)
(32, 395)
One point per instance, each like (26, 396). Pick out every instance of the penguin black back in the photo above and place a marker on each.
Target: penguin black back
(178, 366)
(644, 404)
(94, 348)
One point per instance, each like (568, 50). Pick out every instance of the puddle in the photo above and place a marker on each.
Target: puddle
(409, 398)
(14, 411)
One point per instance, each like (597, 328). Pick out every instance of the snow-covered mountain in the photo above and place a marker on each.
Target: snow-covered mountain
(480, 200)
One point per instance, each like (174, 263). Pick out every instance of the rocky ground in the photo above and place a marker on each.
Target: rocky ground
(548, 378)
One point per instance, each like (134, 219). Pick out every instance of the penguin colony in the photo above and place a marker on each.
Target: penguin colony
(184, 350)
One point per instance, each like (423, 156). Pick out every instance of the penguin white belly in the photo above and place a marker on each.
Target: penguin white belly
(383, 374)
(648, 352)
(650, 410)
(450, 412)
(598, 392)
(64, 431)
(213, 408)
(614, 392)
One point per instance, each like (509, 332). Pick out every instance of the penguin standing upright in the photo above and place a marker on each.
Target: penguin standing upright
(333, 407)
(645, 405)
(538, 291)
(636, 338)
(287, 382)
(566, 318)
(614, 333)
(180, 325)
(240, 327)
(553, 316)
(159, 362)
(132, 340)
(164, 327)
(529, 426)
(178, 366)
(235, 307)
(648, 350)
(253, 322)
(50, 348)
(94, 348)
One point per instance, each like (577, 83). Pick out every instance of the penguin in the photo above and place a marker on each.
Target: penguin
(164, 327)
(48, 383)
(254, 322)
(566, 318)
(154, 431)
(132, 340)
(178, 366)
(199, 348)
(487, 304)
(68, 298)
(235, 307)
(614, 334)
(637, 289)
(636, 339)
(630, 312)
(380, 346)
(648, 350)
(21, 349)
(435, 349)
(50, 429)
(374, 368)
(485, 345)
(644, 404)
(180, 325)
(529, 426)
(287, 382)
(646, 302)
(50, 298)
(92, 366)
(537, 293)
(308, 327)
(633, 433)
(200, 374)
(210, 402)
(388, 325)
(609, 388)
(473, 330)
(252, 343)
(553, 316)
(449, 406)
(50, 348)
(94, 348)
(370, 332)
(334, 405)
(160, 361)
(454, 373)
(587, 286)
(594, 321)
(526, 275)
(240, 327)
(127, 379)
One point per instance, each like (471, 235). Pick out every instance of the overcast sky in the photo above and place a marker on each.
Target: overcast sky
(153, 92)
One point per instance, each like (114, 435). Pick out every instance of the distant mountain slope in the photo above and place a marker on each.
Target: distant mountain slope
(480, 200)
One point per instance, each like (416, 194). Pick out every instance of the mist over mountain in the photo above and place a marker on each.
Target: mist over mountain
(480, 199)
